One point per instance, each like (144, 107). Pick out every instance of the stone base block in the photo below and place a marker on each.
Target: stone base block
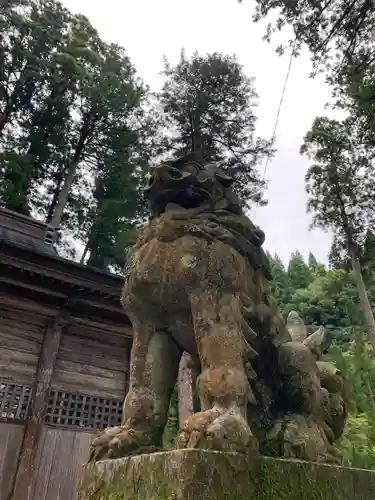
(208, 475)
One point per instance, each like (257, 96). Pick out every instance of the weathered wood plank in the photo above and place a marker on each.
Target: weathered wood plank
(62, 466)
(19, 343)
(32, 287)
(92, 363)
(23, 328)
(89, 384)
(106, 336)
(29, 306)
(17, 367)
(34, 426)
(83, 369)
(81, 453)
(60, 455)
(43, 465)
(13, 356)
(83, 345)
(10, 443)
(21, 336)
(105, 361)
(36, 313)
(29, 316)
(109, 326)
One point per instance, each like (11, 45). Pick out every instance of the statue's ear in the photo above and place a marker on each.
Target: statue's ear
(296, 327)
(224, 179)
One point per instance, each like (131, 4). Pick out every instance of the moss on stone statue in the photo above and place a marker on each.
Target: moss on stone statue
(207, 475)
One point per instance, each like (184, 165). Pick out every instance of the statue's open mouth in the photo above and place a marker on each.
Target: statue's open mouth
(159, 203)
(169, 185)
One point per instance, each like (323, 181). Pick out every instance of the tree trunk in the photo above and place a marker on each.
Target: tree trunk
(55, 197)
(64, 193)
(86, 249)
(363, 296)
(88, 243)
(86, 131)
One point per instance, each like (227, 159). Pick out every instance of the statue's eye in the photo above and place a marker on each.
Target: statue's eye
(175, 173)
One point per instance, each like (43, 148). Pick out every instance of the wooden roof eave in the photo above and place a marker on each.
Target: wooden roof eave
(62, 270)
(59, 279)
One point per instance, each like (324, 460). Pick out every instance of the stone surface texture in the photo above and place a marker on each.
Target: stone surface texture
(198, 280)
(210, 475)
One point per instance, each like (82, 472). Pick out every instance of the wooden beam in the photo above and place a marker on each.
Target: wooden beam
(26, 305)
(64, 270)
(123, 330)
(89, 315)
(23, 480)
(33, 287)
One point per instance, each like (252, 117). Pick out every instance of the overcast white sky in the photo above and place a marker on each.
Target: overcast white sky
(149, 29)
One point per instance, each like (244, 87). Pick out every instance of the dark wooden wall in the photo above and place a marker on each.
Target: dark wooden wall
(62, 379)
(61, 453)
(10, 444)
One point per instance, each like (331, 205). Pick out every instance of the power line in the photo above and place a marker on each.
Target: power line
(278, 112)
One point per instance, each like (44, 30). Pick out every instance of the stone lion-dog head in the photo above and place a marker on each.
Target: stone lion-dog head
(190, 183)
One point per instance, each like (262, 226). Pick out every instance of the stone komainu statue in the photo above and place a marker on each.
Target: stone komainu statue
(197, 280)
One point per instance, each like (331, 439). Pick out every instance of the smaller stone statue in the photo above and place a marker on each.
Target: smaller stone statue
(329, 402)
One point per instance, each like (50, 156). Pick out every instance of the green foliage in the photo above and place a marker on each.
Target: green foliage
(209, 103)
(299, 274)
(356, 361)
(340, 185)
(340, 182)
(335, 32)
(280, 284)
(74, 139)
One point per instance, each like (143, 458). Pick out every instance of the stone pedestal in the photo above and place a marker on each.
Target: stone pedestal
(209, 475)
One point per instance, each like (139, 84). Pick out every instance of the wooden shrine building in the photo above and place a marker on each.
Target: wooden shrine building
(64, 356)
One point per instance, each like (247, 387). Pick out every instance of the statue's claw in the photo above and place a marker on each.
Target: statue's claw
(214, 430)
(296, 436)
(120, 442)
(100, 446)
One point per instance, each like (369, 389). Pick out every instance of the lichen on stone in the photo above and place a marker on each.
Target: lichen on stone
(198, 280)
(208, 475)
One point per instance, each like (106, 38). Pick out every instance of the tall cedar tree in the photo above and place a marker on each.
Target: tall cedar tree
(209, 104)
(105, 102)
(31, 34)
(280, 283)
(312, 263)
(340, 185)
(75, 139)
(335, 31)
(299, 274)
(105, 145)
(119, 204)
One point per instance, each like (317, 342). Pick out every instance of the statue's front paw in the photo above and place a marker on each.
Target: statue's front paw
(298, 436)
(99, 448)
(118, 442)
(212, 430)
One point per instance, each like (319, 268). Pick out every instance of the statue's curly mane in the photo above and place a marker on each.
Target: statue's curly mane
(198, 199)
